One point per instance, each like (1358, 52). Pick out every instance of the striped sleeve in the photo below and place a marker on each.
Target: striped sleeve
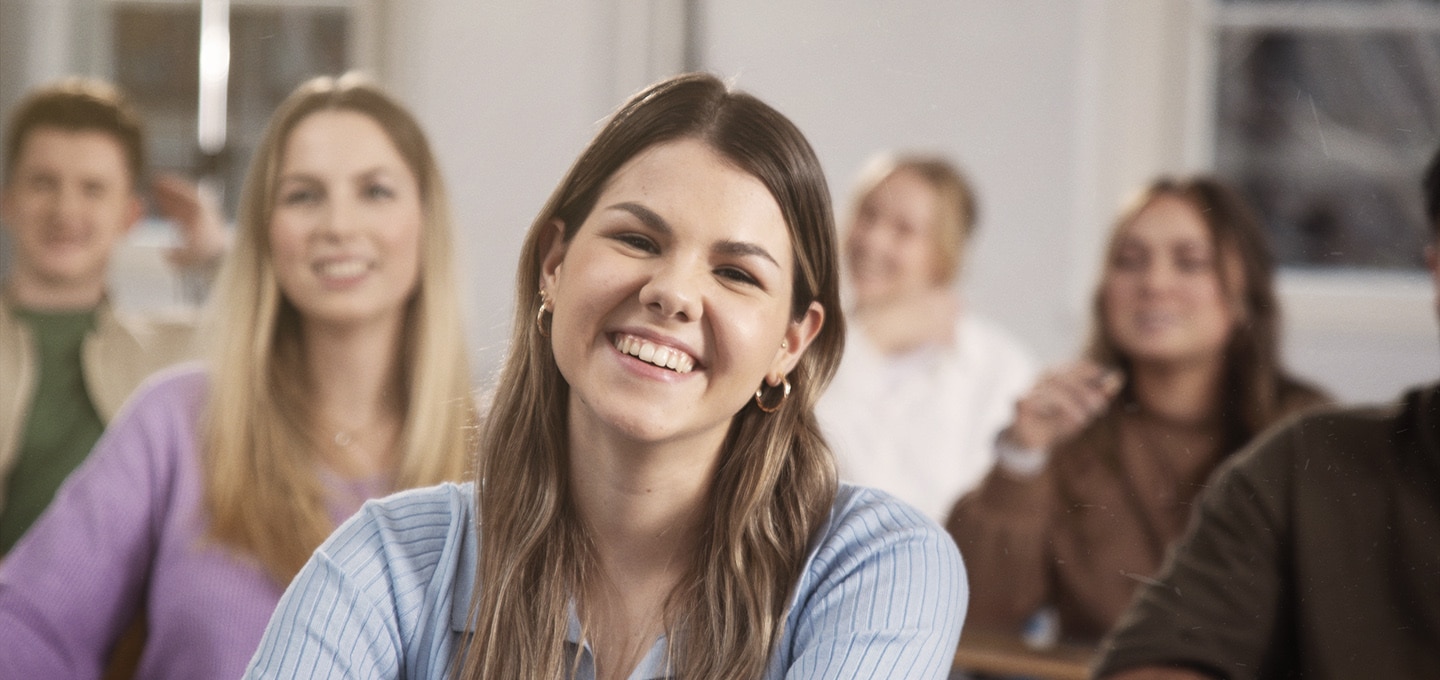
(885, 596)
(363, 599)
(325, 627)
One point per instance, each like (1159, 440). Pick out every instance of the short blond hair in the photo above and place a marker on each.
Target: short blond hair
(955, 207)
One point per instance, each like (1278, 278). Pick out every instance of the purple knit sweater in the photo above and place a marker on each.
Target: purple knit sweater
(128, 528)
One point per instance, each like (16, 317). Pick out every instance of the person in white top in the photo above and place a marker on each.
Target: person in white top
(925, 385)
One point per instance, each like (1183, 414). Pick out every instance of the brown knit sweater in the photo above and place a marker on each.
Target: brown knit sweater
(1093, 525)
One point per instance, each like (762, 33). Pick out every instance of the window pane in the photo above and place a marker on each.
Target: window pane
(272, 49)
(1328, 130)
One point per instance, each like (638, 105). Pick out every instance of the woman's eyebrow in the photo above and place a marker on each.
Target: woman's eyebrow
(310, 174)
(646, 215)
(744, 248)
(654, 221)
(378, 170)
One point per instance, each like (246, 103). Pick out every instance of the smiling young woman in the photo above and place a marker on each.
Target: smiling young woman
(697, 271)
(654, 498)
(1098, 469)
(345, 229)
(337, 373)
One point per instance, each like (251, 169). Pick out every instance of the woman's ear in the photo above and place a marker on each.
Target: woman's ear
(553, 244)
(798, 336)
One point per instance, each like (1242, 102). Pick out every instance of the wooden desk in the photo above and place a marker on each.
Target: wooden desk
(1000, 654)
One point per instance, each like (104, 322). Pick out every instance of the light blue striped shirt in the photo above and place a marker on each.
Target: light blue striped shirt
(882, 595)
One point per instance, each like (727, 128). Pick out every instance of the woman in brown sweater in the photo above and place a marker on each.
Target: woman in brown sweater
(1095, 476)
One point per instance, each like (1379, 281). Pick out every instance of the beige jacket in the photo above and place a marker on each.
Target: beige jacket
(116, 357)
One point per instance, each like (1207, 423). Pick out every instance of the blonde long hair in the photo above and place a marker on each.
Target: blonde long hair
(775, 483)
(261, 489)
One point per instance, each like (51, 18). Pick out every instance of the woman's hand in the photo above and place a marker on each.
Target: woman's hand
(927, 318)
(1062, 403)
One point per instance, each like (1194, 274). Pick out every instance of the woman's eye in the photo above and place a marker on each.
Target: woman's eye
(638, 242)
(1127, 261)
(1193, 264)
(299, 197)
(737, 275)
(43, 183)
(378, 192)
(906, 229)
(1192, 259)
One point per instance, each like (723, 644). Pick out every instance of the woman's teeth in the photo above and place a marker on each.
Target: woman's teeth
(648, 352)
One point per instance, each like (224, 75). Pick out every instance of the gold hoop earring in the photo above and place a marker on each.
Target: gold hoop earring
(784, 394)
(540, 315)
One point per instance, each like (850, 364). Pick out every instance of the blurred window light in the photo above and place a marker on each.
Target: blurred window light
(1326, 114)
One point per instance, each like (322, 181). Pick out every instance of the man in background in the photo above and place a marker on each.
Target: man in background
(73, 161)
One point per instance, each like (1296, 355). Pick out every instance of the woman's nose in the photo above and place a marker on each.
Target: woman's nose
(338, 219)
(673, 293)
(1157, 276)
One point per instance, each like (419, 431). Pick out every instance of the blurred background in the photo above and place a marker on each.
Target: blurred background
(1325, 112)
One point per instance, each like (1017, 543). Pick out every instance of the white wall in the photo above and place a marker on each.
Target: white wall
(1056, 109)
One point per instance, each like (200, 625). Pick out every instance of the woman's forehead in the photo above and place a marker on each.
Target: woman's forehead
(1166, 219)
(690, 177)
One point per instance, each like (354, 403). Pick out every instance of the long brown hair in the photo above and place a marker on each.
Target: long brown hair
(775, 482)
(261, 490)
(1255, 389)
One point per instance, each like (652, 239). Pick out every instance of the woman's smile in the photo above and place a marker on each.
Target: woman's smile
(672, 358)
(343, 271)
(671, 301)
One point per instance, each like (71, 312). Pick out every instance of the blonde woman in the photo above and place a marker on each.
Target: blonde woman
(338, 373)
(926, 384)
(654, 498)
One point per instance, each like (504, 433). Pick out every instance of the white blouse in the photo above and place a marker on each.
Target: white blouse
(922, 425)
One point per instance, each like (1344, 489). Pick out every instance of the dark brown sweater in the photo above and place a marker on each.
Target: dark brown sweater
(1091, 527)
(1315, 554)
